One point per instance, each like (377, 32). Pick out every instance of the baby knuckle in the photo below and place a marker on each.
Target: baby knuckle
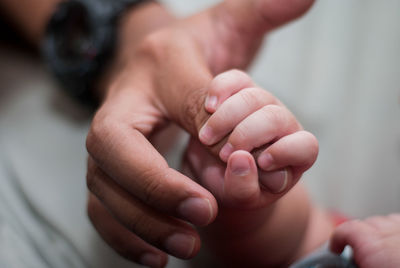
(238, 73)
(239, 136)
(250, 97)
(231, 77)
(273, 113)
(264, 97)
(350, 225)
(312, 143)
(217, 85)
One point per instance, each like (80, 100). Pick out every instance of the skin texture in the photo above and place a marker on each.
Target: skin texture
(159, 75)
(375, 241)
(162, 78)
(262, 220)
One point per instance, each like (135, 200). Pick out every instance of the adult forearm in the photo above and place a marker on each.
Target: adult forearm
(29, 16)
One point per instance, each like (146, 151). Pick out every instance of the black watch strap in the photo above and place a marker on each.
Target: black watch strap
(80, 40)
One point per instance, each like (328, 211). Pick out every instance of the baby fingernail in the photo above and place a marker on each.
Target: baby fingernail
(151, 260)
(239, 166)
(211, 102)
(275, 181)
(226, 152)
(205, 135)
(180, 245)
(196, 210)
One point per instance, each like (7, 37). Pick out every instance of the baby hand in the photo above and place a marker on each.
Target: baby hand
(246, 117)
(375, 241)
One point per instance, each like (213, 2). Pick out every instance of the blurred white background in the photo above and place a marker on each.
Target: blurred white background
(337, 69)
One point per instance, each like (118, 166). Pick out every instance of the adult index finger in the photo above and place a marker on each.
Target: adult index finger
(125, 155)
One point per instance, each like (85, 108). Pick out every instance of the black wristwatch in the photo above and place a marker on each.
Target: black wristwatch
(79, 42)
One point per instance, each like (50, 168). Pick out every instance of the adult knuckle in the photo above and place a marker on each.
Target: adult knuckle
(90, 175)
(123, 249)
(91, 141)
(100, 132)
(95, 134)
(154, 45)
(142, 225)
(92, 210)
(92, 181)
(161, 45)
(191, 113)
(93, 177)
(154, 189)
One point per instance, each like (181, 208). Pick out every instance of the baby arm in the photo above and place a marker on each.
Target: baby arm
(260, 222)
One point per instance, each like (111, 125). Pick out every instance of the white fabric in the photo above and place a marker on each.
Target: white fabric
(338, 69)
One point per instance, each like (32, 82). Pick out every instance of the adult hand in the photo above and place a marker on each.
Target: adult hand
(137, 203)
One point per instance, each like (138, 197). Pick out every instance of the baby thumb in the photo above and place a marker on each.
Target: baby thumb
(241, 187)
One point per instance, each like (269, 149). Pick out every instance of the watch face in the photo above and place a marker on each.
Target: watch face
(75, 42)
(73, 37)
(79, 41)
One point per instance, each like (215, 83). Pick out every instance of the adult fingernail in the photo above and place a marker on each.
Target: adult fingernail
(265, 161)
(211, 103)
(240, 166)
(226, 151)
(180, 245)
(196, 210)
(275, 181)
(206, 135)
(151, 260)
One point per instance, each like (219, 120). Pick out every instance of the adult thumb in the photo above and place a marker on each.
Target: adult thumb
(259, 16)
(240, 25)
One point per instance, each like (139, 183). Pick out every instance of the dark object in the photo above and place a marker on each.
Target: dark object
(80, 40)
(323, 258)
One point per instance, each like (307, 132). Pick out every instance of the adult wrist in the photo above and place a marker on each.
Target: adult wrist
(83, 38)
(134, 26)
